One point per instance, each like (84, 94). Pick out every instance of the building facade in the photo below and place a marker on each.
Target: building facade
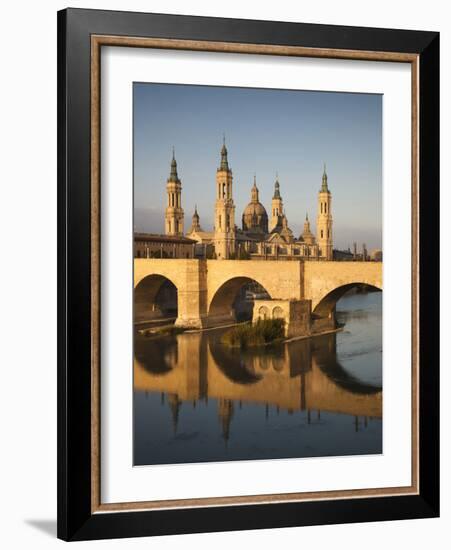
(260, 236)
(147, 245)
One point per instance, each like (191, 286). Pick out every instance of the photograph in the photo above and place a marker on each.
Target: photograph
(258, 262)
(240, 302)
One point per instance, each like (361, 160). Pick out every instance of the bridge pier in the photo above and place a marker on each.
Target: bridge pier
(192, 296)
(192, 321)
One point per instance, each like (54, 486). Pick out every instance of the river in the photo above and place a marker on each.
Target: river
(196, 400)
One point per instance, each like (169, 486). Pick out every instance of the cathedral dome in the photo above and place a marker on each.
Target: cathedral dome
(255, 207)
(255, 218)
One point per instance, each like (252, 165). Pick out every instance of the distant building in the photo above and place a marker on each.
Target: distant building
(344, 255)
(347, 255)
(147, 245)
(376, 255)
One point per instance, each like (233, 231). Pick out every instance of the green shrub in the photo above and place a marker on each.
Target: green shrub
(259, 334)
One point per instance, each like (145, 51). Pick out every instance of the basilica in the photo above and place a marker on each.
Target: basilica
(260, 236)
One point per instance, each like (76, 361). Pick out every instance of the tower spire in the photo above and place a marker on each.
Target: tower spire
(174, 212)
(224, 160)
(276, 206)
(195, 224)
(277, 188)
(173, 176)
(324, 220)
(254, 190)
(224, 226)
(307, 235)
(324, 181)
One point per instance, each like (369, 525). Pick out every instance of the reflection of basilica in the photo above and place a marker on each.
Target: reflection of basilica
(300, 376)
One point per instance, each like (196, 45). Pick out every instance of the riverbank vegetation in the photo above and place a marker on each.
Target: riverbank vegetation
(166, 330)
(263, 332)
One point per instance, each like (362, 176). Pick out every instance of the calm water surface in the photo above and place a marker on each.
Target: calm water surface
(196, 400)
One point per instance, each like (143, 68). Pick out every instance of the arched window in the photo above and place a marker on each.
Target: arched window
(322, 233)
(263, 313)
(277, 313)
(219, 221)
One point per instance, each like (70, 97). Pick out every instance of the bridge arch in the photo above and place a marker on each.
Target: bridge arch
(326, 306)
(221, 306)
(155, 296)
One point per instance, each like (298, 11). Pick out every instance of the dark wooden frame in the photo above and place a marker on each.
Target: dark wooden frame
(80, 32)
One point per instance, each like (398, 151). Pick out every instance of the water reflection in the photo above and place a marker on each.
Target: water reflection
(197, 400)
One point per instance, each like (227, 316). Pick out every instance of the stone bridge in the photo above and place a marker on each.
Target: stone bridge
(206, 289)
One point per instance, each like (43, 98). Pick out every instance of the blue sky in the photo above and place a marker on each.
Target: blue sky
(290, 132)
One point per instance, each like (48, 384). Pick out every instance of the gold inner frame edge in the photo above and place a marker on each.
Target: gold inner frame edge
(97, 41)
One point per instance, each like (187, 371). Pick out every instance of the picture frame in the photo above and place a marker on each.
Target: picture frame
(81, 35)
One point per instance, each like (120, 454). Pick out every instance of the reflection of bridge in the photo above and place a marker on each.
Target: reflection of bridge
(303, 375)
(206, 289)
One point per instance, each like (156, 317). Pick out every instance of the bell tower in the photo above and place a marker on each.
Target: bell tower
(276, 206)
(324, 220)
(224, 231)
(195, 226)
(173, 217)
